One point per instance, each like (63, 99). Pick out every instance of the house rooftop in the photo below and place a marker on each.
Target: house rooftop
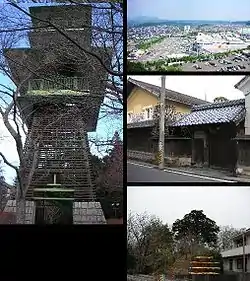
(241, 81)
(170, 95)
(142, 124)
(214, 113)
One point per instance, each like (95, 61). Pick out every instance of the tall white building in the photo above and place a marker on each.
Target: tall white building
(186, 28)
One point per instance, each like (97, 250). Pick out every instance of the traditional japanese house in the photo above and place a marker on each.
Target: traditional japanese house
(213, 129)
(142, 110)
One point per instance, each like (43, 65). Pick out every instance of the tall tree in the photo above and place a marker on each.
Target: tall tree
(3, 189)
(150, 242)
(226, 236)
(1, 172)
(220, 99)
(97, 165)
(110, 182)
(195, 229)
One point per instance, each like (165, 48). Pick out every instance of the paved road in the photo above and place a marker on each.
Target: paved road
(204, 67)
(144, 173)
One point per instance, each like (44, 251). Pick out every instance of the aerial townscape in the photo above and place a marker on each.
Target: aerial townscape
(187, 238)
(188, 45)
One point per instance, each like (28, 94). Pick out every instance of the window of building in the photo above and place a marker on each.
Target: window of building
(129, 116)
(239, 263)
(148, 112)
(230, 264)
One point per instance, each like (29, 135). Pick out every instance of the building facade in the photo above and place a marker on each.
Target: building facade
(142, 98)
(233, 259)
(142, 116)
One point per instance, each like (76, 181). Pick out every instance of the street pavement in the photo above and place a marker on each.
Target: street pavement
(137, 172)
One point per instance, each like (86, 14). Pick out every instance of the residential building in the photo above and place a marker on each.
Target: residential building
(142, 99)
(213, 129)
(233, 259)
(142, 103)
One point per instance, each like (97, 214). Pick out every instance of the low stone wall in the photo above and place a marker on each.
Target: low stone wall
(178, 161)
(140, 155)
(243, 170)
(83, 213)
(150, 158)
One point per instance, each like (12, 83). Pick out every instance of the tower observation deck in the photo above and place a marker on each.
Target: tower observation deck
(61, 88)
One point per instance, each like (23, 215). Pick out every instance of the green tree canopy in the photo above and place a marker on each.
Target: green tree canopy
(220, 99)
(110, 180)
(135, 66)
(197, 227)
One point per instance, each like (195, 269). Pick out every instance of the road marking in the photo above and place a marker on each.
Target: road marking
(197, 176)
(183, 173)
(140, 165)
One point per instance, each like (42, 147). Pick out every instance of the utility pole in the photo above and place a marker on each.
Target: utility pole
(162, 124)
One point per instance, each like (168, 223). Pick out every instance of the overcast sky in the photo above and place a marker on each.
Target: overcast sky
(199, 86)
(224, 205)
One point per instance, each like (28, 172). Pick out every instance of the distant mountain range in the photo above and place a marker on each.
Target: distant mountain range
(147, 21)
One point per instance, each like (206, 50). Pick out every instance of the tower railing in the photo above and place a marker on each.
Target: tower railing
(62, 83)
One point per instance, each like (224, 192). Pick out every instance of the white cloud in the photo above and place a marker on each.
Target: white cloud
(199, 86)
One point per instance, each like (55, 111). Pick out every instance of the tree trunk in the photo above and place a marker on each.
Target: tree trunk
(20, 211)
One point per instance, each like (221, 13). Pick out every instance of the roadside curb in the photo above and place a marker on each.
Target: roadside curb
(201, 175)
(238, 179)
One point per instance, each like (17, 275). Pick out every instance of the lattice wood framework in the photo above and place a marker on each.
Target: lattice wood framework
(61, 134)
(59, 106)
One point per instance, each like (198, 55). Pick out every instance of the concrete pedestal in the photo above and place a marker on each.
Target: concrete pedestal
(88, 213)
(30, 210)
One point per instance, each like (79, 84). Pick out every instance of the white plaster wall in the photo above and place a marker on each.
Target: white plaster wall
(245, 88)
(226, 264)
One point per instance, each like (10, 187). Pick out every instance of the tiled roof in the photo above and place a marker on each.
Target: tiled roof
(141, 124)
(221, 112)
(170, 95)
(241, 81)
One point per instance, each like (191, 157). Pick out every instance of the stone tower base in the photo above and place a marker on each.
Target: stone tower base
(83, 212)
(88, 213)
(30, 210)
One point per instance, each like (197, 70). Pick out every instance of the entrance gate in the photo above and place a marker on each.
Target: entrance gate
(51, 211)
(54, 205)
(222, 152)
(198, 151)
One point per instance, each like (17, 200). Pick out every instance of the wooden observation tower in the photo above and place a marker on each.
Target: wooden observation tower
(61, 88)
